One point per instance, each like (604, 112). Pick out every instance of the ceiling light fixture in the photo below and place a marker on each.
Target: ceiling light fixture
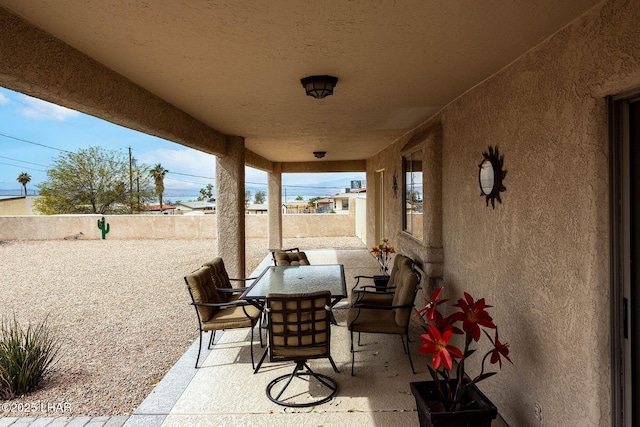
(319, 154)
(319, 86)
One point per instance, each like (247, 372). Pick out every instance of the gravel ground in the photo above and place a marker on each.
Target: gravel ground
(120, 308)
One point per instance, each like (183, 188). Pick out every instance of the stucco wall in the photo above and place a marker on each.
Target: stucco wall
(41, 227)
(361, 217)
(305, 225)
(17, 206)
(541, 258)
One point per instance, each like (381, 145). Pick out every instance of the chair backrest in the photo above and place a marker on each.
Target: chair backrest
(405, 294)
(299, 325)
(219, 273)
(203, 290)
(399, 262)
(290, 258)
(273, 253)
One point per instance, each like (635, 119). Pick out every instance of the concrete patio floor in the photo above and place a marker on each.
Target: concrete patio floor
(225, 392)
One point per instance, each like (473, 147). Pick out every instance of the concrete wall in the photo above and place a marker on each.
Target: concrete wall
(17, 205)
(541, 258)
(361, 217)
(41, 227)
(305, 225)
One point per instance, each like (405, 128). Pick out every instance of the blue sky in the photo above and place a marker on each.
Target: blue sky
(33, 133)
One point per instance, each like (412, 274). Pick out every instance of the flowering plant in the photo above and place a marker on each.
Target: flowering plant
(474, 318)
(382, 253)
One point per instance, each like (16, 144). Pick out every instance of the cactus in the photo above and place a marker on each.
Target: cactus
(104, 227)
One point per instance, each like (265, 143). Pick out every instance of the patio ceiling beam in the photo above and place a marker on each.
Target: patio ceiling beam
(37, 64)
(330, 166)
(256, 161)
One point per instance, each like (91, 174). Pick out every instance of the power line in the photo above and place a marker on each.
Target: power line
(188, 182)
(23, 161)
(34, 143)
(46, 113)
(22, 167)
(192, 176)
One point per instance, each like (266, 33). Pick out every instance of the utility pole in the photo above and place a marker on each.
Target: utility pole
(130, 182)
(135, 164)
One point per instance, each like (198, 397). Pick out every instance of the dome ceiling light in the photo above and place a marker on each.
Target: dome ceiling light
(319, 86)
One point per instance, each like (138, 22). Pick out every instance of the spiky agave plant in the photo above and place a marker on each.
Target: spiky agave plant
(26, 356)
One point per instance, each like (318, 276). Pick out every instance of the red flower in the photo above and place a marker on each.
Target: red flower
(430, 308)
(473, 315)
(499, 349)
(438, 345)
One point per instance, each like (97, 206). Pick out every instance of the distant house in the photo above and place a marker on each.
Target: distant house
(256, 208)
(186, 208)
(342, 201)
(297, 207)
(155, 209)
(325, 205)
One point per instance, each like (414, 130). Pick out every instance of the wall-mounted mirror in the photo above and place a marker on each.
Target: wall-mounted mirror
(486, 177)
(490, 176)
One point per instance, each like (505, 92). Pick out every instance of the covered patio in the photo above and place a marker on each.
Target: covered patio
(425, 90)
(224, 391)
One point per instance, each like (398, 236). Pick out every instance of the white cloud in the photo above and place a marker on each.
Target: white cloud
(3, 99)
(42, 110)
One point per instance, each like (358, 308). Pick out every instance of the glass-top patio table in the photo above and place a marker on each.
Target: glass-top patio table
(297, 279)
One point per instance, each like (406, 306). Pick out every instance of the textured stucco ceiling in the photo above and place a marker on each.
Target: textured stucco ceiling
(236, 65)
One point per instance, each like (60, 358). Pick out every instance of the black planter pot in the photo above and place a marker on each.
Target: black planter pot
(380, 282)
(479, 414)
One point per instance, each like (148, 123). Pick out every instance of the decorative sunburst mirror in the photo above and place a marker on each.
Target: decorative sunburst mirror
(491, 175)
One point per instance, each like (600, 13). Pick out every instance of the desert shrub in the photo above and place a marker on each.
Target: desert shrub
(26, 356)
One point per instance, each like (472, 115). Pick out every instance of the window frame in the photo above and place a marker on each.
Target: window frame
(409, 187)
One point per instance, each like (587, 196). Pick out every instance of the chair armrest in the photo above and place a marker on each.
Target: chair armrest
(376, 290)
(220, 304)
(364, 291)
(244, 279)
(358, 281)
(231, 290)
(379, 307)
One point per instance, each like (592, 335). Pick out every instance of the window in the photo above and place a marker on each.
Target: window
(412, 206)
(345, 205)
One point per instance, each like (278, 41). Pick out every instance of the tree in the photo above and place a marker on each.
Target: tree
(299, 198)
(158, 173)
(247, 198)
(312, 201)
(260, 197)
(24, 178)
(206, 193)
(93, 180)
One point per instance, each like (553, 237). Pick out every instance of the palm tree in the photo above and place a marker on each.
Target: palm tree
(158, 173)
(23, 179)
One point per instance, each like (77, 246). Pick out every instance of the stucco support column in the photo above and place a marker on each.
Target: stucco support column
(432, 195)
(428, 250)
(274, 179)
(230, 207)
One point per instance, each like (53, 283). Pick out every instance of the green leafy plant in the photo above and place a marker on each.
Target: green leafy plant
(26, 356)
(472, 316)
